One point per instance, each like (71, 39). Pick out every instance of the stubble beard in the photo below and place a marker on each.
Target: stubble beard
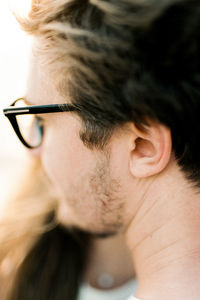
(106, 201)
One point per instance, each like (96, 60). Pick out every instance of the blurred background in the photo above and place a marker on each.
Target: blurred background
(14, 54)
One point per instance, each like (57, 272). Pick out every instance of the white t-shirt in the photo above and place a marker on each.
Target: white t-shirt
(86, 292)
(132, 298)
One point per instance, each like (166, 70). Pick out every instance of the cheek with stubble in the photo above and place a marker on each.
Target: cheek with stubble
(94, 202)
(88, 197)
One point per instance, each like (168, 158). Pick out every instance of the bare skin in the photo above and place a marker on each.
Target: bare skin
(110, 256)
(164, 239)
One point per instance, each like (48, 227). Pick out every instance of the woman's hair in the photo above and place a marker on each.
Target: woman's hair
(39, 259)
(125, 61)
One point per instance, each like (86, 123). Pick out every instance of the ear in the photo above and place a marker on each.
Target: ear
(150, 150)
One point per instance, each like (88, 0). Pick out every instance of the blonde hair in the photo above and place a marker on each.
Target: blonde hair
(22, 222)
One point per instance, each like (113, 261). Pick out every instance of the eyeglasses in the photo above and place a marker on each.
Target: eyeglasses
(26, 122)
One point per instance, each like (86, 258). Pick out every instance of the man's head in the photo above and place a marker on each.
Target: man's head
(133, 69)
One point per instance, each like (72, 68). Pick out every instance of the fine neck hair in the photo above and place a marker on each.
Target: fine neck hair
(164, 238)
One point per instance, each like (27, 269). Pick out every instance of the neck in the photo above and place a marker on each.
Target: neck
(109, 264)
(165, 242)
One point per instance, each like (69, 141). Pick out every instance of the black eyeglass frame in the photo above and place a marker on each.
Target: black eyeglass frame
(11, 112)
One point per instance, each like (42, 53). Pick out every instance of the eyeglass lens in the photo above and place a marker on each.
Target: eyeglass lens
(30, 126)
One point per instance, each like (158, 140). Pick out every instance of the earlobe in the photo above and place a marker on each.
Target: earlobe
(151, 152)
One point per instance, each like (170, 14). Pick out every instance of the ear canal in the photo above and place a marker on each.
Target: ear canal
(144, 148)
(152, 152)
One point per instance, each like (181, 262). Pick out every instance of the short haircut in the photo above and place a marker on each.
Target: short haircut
(126, 61)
